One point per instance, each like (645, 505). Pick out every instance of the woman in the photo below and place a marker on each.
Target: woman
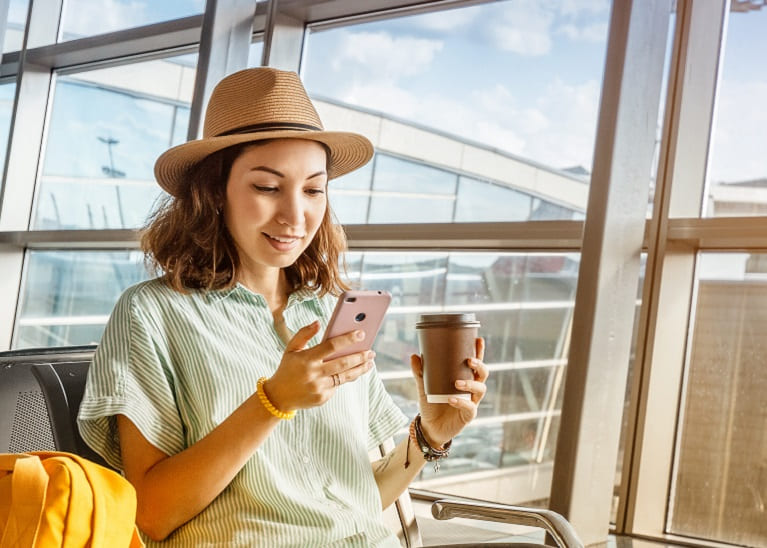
(209, 388)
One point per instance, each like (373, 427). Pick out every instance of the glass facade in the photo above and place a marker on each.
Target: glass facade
(82, 18)
(398, 190)
(423, 68)
(720, 478)
(123, 117)
(480, 112)
(524, 303)
(68, 295)
(15, 24)
(737, 176)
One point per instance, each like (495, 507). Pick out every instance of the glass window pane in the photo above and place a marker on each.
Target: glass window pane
(524, 303)
(477, 199)
(737, 177)
(82, 18)
(255, 52)
(415, 86)
(720, 478)
(68, 295)
(15, 25)
(107, 127)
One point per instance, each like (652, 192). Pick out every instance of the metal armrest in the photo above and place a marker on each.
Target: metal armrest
(553, 523)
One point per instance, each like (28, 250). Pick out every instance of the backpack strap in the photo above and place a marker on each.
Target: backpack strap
(29, 483)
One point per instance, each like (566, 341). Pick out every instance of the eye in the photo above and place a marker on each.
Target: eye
(265, 189)
(315, 191)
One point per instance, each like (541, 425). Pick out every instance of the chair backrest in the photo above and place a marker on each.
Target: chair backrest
(41, 391)
(63, 386)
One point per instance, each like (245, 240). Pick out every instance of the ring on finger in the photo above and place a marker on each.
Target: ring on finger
(336, 379)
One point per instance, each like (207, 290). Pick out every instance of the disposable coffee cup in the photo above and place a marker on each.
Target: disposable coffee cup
(446, 341)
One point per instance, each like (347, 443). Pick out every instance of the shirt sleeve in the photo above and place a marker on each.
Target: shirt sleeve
(385, 418)
(131, 375)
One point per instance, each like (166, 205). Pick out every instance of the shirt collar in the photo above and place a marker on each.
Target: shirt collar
(298, 296)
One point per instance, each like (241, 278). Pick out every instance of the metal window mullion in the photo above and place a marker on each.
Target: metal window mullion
(283, 40)
(25, 138)
(671, 264)
(528, 236)
(227, 28)
(159, 37)
(596, 376)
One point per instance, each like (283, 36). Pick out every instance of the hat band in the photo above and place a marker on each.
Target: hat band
(271, 126)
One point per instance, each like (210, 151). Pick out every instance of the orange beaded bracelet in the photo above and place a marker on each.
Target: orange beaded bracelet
(285, 415)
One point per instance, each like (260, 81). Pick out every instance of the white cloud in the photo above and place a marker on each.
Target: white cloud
(447, 20)
(384, 57)
(740, 133)
(523, 27)
(527, 27)
(17, 11)
(596, 32)
(569, 140)
(557, 131)
(388, 98)
(88, 18)
(577, 7)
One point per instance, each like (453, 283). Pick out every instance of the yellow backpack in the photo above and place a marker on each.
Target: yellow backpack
(50, 499)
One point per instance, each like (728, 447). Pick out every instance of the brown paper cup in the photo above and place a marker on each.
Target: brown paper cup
(446, 342)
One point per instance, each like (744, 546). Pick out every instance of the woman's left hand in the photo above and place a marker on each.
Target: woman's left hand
(442, 422)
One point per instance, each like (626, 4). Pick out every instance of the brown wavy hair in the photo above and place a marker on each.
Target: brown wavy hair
(187, 243)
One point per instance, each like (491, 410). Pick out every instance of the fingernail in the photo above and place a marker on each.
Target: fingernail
(359, 335)
(453, 400)
(369, 365)
(460, 384)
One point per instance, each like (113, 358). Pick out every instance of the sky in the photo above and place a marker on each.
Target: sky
(525, 76)
(522, 76)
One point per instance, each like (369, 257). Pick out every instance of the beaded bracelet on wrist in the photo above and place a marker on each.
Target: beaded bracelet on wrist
(285, 415)
(430, 454)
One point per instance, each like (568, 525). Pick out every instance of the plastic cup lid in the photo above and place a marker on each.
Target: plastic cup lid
(458, 319)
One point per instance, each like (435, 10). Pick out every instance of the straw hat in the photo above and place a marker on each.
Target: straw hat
(253, 105)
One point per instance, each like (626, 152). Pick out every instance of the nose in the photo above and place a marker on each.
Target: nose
(291, 209)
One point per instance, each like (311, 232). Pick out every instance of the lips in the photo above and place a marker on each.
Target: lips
(283, 242)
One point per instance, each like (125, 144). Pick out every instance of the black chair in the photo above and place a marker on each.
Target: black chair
(41, 394)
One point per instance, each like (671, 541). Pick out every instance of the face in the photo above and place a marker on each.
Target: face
(275, 202)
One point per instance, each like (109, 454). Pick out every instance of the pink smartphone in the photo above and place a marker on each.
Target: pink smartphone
(361, 309)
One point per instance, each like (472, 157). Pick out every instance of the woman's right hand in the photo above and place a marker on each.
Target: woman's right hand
(303, 379)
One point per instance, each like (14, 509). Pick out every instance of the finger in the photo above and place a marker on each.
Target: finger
(467, 408)
(302, 337)
(351, 375)
(476, 388)
(416, 364)
(343, 363)
(481, 372)
(336, 344)
(479, 347)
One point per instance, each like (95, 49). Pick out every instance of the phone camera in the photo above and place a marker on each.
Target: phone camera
(359, 317)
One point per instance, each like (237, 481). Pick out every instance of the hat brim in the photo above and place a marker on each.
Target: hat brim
(348, 151)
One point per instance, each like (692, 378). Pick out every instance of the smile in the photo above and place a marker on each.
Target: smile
(283, 243)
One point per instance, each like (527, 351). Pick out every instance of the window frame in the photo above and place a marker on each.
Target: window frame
(672, 238)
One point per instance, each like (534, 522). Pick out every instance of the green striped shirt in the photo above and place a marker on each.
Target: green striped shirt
(177, 365)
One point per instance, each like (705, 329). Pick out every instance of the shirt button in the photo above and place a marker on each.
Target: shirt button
(305, 459)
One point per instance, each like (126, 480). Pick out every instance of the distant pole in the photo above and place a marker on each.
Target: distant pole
(113, 173)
